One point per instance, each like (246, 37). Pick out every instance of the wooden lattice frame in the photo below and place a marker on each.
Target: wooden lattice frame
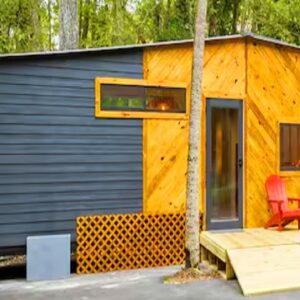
(129, 241)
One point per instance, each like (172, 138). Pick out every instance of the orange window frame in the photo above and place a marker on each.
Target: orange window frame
(99, 113)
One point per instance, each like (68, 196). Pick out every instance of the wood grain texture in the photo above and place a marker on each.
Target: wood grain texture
(220, 242)
(224, 77)
(263, 260)
(273, 96)
(165, 141)
(255, 244)
(269, 85)
(165, 163)
(129, 241)
(266, 269)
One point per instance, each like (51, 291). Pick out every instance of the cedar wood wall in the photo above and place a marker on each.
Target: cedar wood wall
(265, 77)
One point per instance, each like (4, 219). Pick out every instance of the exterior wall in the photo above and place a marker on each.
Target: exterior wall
(270, 92)
(165, 165)
(165, 141)
(273, 96)
(56, 160)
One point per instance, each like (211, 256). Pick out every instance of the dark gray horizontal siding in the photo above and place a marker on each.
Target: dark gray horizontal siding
(63, 167)
(56, 160)
(55, 187)
(60, 73)
(61, 129)
(115, 195)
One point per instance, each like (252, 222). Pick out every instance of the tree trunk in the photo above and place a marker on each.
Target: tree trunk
(80, 20)
(192, 206)
(94, 21)
(236, 4)
(168, 15)
(191, 19)
(68, 24)
(49, 25)
(212, 19)
(36, 26)
(86, 23)
(157, 19)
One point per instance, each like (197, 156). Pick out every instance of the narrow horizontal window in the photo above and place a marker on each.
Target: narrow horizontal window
(139, 99)
(290, 146)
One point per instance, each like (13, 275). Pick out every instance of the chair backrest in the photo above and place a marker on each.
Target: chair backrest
(276, 191)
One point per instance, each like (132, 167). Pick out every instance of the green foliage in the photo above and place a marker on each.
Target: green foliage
(32, 25)
(22, 24)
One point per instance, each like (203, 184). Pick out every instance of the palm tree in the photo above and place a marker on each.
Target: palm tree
(192, 207)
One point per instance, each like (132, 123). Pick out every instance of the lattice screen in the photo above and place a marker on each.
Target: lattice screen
(131, 241)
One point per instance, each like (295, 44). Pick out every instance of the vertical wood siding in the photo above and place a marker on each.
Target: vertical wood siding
(56, 160)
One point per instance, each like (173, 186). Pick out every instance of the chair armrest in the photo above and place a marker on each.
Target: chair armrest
(278, 202)
(294, 199)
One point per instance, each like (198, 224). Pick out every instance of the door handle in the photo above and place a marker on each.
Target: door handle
(240, 162)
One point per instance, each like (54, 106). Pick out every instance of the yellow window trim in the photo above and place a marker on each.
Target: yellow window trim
(138, 114)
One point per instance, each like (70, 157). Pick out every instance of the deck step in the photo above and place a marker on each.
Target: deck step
(215, 263)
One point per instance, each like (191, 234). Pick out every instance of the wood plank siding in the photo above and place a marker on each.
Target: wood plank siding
(165, 165)
(265, 76)
(56, 160)
(273, 96)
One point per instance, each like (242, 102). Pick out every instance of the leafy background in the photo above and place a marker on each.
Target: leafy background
(32, 25)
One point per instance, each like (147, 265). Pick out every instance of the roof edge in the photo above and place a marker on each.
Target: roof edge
(267, 39)
(147, 45)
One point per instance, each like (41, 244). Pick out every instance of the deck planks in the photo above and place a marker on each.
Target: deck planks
(249, 238)
(263, 260)
(266, 269)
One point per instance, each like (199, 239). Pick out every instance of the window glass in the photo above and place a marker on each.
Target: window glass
(142, 98)
(165, 99)
(290, 146)
(122, 97)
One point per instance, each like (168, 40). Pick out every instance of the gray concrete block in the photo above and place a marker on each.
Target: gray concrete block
(48, 257)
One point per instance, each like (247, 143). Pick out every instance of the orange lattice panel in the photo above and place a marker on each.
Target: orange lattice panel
(131, 241)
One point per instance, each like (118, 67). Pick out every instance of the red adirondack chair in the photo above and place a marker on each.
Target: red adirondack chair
(278, 201)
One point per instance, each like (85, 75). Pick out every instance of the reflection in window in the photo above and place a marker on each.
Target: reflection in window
(142, 98)
(224, 151)
(290, 146)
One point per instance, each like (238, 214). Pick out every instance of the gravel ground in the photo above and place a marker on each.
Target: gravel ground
(12, 260)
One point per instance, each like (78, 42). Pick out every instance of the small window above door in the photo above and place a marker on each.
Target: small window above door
(133, 98)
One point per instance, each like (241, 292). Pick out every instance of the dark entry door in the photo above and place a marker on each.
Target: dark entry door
(224, 164)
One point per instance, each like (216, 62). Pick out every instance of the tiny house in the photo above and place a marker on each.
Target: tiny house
(105, 131)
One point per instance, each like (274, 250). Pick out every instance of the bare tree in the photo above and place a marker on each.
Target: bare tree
(192, 207)
(68, 24)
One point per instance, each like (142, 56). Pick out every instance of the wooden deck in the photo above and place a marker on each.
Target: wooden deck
(262, 260)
